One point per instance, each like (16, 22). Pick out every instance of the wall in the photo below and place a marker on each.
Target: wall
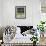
(0, 12)
(36, 7)
(32, 12)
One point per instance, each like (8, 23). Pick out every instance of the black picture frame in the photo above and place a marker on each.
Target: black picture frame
(21, 15)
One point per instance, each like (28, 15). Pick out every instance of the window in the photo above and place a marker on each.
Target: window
(43, 10)
(43, 6)
(20, 12)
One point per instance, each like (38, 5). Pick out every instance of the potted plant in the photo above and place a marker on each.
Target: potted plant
(34, 39)
(41, 27)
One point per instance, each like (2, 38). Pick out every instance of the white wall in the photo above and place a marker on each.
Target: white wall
(0, 13)
(36, 7)
(32, 12)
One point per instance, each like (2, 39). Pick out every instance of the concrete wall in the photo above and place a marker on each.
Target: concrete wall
(32, 12)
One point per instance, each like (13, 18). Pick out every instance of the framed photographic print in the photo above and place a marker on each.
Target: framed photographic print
(20, 12)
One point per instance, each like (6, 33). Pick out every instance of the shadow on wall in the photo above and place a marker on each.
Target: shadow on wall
(1, 32)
